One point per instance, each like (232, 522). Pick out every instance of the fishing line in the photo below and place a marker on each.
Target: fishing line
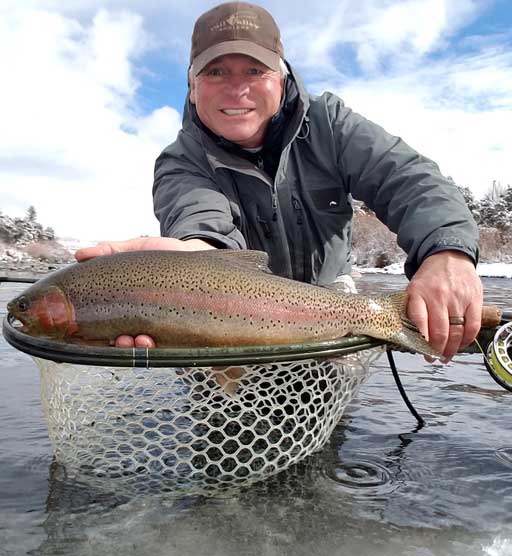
(417, 416)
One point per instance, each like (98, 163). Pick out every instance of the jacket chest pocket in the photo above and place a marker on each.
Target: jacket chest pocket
(328, 200)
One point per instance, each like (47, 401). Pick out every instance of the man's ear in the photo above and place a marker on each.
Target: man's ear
(192, 94)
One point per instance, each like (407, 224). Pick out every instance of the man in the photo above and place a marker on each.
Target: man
(261, 164)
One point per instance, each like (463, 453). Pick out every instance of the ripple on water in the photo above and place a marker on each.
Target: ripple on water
(504, 455)
(356, 475)
(367, 477)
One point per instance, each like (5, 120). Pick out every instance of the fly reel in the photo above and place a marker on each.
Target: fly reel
(498, 359)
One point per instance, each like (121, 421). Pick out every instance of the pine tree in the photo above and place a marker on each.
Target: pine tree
(507, 198)
(31, 214)
(472, 204)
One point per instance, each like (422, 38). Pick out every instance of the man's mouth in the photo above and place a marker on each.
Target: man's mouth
(236, 111)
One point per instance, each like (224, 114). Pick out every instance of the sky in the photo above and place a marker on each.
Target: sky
(92, 91)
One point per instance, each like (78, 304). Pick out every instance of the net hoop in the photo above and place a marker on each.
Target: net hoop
(175, 357)
(191, 421)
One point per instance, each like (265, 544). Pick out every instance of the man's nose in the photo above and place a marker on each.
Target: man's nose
(237, 85)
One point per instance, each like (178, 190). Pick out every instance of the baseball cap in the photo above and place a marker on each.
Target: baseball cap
(236, 28)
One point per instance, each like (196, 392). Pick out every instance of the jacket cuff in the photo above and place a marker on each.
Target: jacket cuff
(446, 244)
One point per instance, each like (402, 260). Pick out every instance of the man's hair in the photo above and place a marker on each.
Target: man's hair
(283, 70)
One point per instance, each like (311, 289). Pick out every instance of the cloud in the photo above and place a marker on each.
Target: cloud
(457, 112)
(73, 142)
(79, 138)
(409, 67)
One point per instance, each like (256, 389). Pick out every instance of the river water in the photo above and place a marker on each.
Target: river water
(380, 486)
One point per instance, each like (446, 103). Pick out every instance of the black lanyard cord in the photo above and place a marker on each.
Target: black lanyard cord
(417, 416)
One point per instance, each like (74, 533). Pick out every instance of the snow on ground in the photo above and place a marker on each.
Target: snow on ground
(490, 270)
(495, 270)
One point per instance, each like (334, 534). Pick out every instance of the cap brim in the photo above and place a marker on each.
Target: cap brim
(263, 55)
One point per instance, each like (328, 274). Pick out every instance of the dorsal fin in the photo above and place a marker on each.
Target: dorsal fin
(256, 260)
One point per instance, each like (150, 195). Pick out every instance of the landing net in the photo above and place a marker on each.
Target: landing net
(194, 429)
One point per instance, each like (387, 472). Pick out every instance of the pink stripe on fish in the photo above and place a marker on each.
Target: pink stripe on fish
(225, 304)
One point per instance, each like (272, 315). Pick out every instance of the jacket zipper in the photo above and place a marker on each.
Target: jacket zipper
(299, 250)
(274, 202)
(261, 166)
(298, 210)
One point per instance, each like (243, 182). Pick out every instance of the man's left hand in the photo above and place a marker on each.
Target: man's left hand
(446, 285)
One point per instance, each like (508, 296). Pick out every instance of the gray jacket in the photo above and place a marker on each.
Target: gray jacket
(303, 217)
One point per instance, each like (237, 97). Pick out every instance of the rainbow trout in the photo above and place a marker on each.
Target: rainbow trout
(200, 299)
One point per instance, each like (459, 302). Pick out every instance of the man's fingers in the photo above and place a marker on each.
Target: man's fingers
(141, 243)
(109, 248)
(125, 342)
(432, 321)
(472, 324)
(418, 314)
(455, 335)
(95, 251)
(438, 326)
(142, 341)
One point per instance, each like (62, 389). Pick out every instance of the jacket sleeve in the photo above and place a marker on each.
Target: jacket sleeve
(406, 190)
(188, 203)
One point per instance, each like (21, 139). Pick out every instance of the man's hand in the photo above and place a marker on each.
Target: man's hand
(142, 243)
(446, 285)
(140, 341)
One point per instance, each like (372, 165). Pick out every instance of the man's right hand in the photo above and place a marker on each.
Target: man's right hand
(142, 243)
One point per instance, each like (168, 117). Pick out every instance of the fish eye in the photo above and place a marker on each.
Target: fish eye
(22, 304)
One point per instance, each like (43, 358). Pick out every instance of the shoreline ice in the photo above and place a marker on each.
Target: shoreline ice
(487, 270)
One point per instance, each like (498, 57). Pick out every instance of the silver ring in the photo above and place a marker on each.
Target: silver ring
(457, 321)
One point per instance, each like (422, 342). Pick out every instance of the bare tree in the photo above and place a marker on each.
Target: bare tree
(496, 191)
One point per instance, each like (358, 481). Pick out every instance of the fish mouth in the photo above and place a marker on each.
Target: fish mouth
(11, 311)
(17, 323)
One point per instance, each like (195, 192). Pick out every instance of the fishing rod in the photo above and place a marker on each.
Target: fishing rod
(20, 279)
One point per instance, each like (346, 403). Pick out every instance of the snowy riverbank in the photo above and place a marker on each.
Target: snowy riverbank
(489, 270)
(16, 260)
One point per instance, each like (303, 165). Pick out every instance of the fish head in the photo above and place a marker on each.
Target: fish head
(44, 310)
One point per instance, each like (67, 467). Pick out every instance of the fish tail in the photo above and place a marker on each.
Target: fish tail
(408, 335)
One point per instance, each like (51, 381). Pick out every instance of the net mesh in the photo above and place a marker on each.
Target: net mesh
(194, 429)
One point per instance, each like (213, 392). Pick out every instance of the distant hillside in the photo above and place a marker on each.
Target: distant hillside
(373, 245)
(25, 245)
(21, 231)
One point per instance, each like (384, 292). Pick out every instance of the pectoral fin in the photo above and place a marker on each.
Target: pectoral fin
(228, 378)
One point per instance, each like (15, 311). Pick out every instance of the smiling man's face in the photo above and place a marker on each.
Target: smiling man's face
(236, 97)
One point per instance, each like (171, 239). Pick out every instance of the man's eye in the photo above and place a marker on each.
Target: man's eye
(254, 71)
(215, 72)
